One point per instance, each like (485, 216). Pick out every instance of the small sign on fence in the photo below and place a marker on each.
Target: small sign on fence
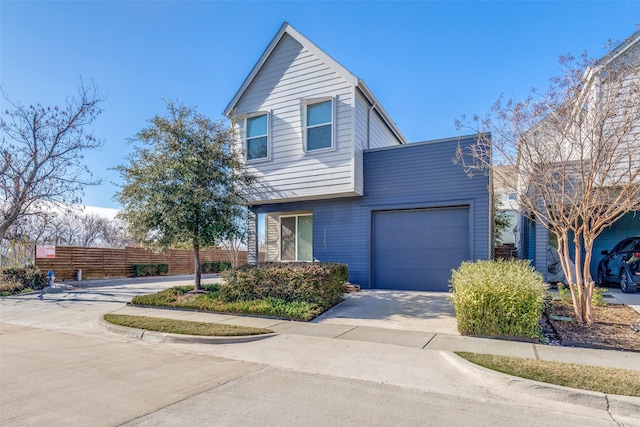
(45, 251)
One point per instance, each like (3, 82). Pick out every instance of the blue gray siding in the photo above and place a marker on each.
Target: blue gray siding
(628, 225)
(420, 175)
(541, 240)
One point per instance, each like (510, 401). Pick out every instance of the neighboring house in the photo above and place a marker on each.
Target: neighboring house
(536, 238)
(507, 200)
(339, 182)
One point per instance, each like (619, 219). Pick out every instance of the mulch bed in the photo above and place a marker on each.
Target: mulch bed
(611, 328)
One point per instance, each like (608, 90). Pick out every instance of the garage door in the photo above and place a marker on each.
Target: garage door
(417, 249)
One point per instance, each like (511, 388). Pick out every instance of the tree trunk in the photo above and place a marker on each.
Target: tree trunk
(588, 280)
(563, 251)
(196, 261)
(579, 279)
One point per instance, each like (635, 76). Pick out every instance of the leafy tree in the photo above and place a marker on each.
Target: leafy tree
(185, 184)
(41, 155)
(575, 152)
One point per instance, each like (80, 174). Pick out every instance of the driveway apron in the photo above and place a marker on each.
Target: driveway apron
(391, 309)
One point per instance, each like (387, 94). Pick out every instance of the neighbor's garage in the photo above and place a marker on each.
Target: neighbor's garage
(417, 249)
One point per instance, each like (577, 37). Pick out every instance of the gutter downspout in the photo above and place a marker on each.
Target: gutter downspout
(373, 105)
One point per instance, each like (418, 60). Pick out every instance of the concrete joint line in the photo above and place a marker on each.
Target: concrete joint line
(429, 342)
(606, 398)
(345, 332)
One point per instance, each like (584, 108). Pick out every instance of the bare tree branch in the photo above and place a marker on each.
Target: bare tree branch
(41, 153)
(573, 153)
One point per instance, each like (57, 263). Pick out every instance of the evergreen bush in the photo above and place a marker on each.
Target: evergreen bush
(215, 267)
(20, 279)
(142, 270)
(316, 283)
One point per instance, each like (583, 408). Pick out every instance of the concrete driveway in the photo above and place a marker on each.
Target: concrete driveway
(618, 297)
(405, 310)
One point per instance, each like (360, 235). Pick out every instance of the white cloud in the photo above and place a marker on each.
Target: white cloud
(103, 212)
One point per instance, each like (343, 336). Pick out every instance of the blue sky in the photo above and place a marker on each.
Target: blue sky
(427, 62)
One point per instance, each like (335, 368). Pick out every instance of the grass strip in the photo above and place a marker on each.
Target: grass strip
(184, 327)
(624, 382)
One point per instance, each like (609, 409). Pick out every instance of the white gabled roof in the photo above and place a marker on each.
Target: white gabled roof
(619, 50)
(332, 63)
(603, 62)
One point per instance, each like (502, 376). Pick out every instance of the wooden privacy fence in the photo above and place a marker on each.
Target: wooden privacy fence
(98, 263)
(505, 252)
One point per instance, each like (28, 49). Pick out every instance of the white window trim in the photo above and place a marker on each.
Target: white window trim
(296, 236)
(245, 142)
(310, 101)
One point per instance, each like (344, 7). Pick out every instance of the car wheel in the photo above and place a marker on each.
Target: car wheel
(601, 281)
(626, 285)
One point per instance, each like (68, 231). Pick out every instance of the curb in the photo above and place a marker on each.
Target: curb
(56, 289)
(163, 337)
(625, 406)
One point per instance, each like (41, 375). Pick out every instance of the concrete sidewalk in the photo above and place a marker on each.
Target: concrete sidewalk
(400, 357)
(419, 320)
(403, 338)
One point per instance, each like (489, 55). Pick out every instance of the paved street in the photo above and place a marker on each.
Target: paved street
(57, 367)
(55, 378)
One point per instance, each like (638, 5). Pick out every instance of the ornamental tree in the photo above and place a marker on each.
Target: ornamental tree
(573, 153)
(184, 184)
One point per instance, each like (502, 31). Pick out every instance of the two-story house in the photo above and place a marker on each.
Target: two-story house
(608, 116)
(339, 182)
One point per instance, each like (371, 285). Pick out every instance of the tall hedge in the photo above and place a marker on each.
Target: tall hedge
(498, 298)
(316, 283)
(214, 267)
(142, 270)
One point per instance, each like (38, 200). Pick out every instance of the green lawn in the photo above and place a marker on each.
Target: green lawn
(605, 380)
(184, 327)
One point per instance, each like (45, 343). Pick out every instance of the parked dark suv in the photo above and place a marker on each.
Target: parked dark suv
(621, 265)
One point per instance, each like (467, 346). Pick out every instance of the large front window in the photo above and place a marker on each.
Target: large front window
(296, 237)
(319, 119)
(257, 137)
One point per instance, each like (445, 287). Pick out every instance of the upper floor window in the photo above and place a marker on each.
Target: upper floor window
(257, 137)
(319, 125)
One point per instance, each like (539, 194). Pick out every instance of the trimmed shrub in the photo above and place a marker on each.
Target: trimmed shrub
(314, 283)
(215, 267)
(18, 279)
(178, 297)
(141, 270)
(498, 298)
